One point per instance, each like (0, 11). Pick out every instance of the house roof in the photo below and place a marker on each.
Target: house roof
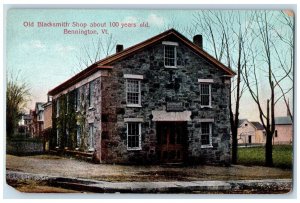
(108, 61)
(241, 121)
(257, 125)
(284, 120)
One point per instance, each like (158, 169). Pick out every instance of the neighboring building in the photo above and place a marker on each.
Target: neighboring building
(47, 131)
(37, 125)
(283, 130)
(162, 100)
(24, 125)
(250, 132)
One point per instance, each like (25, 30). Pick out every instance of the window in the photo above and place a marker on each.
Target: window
(67, 104)
(91, 137)
(205, 94)
(91, 94)
(206, 134)
(133, 88)
(133, 136)
(276, 135)
(77, 100)
(170, 55)
(57, 108)
(57, 137)
(78, 135)
(246, 124)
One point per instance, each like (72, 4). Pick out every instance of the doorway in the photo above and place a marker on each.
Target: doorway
(171, 137)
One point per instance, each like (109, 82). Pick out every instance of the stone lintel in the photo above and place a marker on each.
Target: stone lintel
(171, 116)
(140, 120)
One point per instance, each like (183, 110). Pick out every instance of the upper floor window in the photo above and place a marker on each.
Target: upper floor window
(67, 103)
(57, 107)
(170, 54)
(91, 93)
(205, 92)
(133, 90)
(77, 100)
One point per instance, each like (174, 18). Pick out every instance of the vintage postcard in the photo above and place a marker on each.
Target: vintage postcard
(158, 101)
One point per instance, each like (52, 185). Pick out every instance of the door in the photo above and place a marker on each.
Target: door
(171, 141)
(249, 139)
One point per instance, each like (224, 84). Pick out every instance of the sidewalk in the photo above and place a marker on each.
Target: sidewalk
(88, 185)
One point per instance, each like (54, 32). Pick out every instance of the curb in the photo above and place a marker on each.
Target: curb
(87, 185)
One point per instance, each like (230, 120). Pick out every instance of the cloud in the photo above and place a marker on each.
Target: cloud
(33, 45)
(155, 20)
(63, 50)
(130, 19)
(38, 44)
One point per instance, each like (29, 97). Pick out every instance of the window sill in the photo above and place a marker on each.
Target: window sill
(134, 149)
(134, 105)
(171, 67)
(206, 146)
(209, 107)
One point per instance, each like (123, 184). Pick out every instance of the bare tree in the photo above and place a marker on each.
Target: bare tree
(226, 32)
(94, 51)
(264, 53)
(285, 57)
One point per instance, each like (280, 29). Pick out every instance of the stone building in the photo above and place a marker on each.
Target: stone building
(162, 100)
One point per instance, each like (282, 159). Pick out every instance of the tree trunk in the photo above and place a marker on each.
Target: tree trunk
(269, 157)
(269, 134)
(234, 146)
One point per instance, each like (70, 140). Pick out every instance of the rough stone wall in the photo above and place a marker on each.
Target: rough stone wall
(24, 147)
(159, 86)
(83, 117)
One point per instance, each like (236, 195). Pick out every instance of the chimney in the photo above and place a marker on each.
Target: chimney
(197, 39)
(119, 48)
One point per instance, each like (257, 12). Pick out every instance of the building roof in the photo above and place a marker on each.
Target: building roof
(107, 62)
(257, 125)
(284, 120)
(241, 121)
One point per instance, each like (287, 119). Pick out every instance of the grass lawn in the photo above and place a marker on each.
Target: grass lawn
(282, 156)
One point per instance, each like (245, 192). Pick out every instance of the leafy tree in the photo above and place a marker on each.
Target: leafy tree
(17, 96)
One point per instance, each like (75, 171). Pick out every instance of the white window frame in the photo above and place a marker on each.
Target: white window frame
(210, 135)
(140, 137)
(78, 136)
(78, 100)
(57, 108)
(134, 78)
(67, 103)
(174, 45)
(209, 83)
(57, 138)
(91, 137)
(91, 94)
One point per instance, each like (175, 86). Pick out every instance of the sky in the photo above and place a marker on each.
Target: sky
(45, 57)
